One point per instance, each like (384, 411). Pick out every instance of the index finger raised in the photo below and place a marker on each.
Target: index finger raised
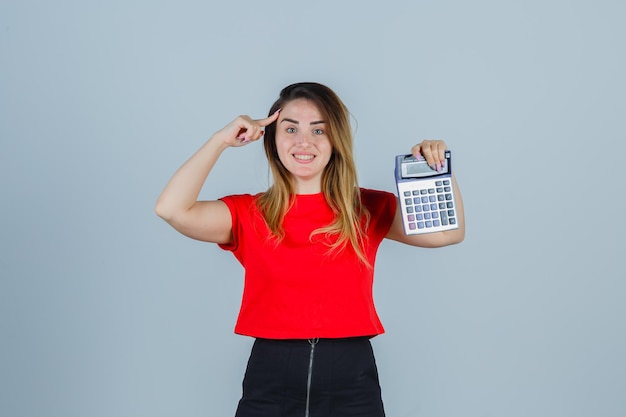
(268, 120)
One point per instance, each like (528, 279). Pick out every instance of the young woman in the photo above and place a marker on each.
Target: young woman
(308, 245)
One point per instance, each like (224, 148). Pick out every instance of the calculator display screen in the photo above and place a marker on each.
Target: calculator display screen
(417, 169)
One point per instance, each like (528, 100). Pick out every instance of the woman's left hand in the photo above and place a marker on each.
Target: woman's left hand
(431, 150)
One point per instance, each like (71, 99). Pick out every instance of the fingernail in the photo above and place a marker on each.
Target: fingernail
(432, 166)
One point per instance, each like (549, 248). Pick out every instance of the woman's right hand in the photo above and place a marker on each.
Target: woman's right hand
(178, 203)
(244, 130)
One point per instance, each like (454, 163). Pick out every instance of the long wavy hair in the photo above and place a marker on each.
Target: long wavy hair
(339, 178)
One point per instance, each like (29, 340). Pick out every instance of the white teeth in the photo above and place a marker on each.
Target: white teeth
(304, 157)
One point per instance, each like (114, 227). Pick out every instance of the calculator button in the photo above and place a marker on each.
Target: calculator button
(420, 225)
(416, 200)
(425, 207)
(442, 206)
(449, 205)
(424, 199)
(431, 191)
(446, 182)
(432, 198)
(409, 209)
(433, 206)
(450, 213)
(419, 216)
(429, 224)
(418, 209)
(448, 196)
(453, 221)
(436, 223)
(435, 215)
(410, 217)
(438, 183)
(444, 222)
(439, 189)
(416, 192)
(407, 194)
(427, 216)
(440, 197)
(412, 226)
(423, 191)
(408, 201)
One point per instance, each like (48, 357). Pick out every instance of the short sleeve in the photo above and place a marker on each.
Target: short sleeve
(231, 203)
(382, 208)
(239, 206)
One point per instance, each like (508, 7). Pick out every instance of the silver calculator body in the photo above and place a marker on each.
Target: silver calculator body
(426, 196)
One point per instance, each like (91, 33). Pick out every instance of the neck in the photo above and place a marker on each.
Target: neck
(312, 186)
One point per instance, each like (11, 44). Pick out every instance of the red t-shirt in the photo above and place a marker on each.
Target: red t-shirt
(295, 288)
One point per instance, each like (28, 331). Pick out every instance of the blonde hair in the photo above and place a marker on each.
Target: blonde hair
(339, 178)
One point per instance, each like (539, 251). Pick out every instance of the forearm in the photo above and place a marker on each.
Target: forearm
(183, 189)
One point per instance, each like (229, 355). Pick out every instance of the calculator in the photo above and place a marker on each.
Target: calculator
(426, 195)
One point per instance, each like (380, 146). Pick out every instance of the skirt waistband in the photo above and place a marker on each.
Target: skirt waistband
(323, 340)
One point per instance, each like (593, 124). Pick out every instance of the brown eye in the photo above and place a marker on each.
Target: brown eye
(291, 130)
(318, 131)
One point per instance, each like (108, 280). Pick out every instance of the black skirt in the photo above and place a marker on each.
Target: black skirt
(311, 378)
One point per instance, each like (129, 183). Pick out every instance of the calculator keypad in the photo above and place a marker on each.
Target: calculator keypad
(428, 206)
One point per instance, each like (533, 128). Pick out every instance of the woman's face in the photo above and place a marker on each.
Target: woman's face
(303, 145)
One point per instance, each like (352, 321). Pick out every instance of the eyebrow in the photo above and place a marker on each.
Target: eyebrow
(317, 122)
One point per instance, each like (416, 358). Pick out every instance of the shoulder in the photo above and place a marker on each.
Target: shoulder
(240, 200)
(241, 204)
(245, 215)
(377, 199)
(381, 206)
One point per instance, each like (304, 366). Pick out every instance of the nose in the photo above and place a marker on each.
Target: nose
(303, 139)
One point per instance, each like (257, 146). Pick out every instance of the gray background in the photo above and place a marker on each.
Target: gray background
(107, 312)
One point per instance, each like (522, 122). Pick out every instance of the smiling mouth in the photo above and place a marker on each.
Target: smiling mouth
(304, 157)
